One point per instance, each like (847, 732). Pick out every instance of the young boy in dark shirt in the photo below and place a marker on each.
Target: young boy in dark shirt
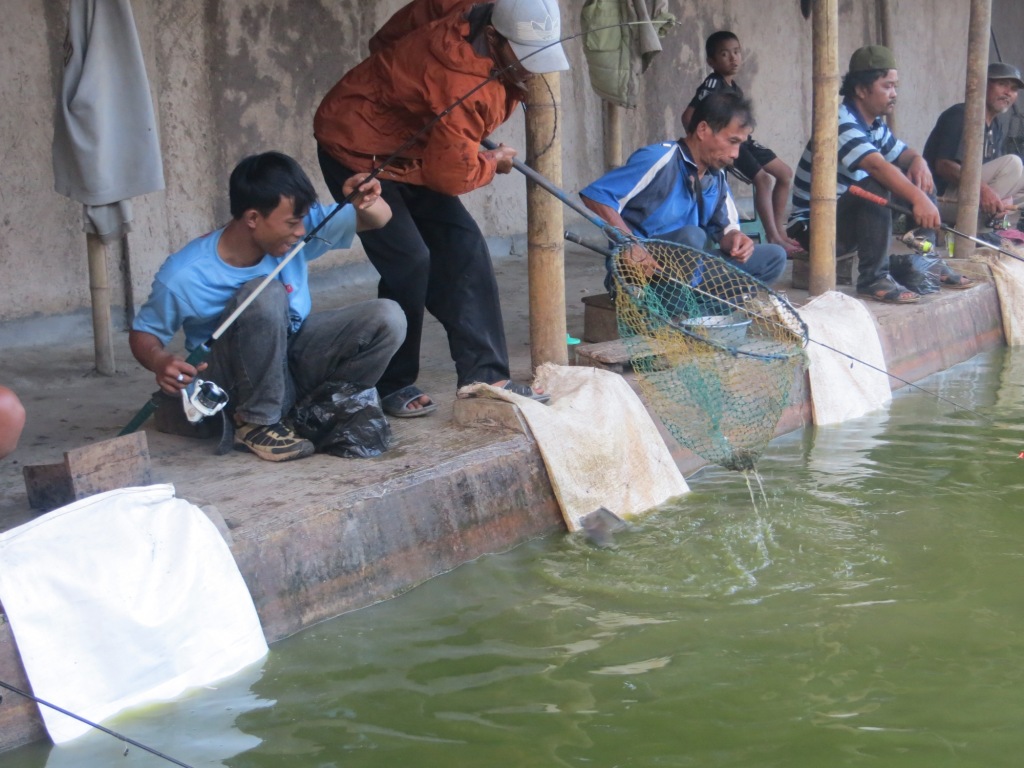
(755, 162)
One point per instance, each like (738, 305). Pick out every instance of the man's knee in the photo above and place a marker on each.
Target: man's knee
(270, 303)
(390, 320)
(1014, 165)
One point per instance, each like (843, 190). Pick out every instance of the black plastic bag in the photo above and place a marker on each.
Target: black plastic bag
(344, 419)
(917, 272)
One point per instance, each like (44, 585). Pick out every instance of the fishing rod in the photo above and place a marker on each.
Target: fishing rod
(201, 352)
(879, 200)
(121, 737)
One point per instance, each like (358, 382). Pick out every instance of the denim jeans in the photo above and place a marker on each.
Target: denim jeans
(266, 370)
(766, 263)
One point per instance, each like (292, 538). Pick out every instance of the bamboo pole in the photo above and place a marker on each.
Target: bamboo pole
(888, 37)
(99, 288)
(612, 135)
(974, 122)
(545, 228)
(825, 130)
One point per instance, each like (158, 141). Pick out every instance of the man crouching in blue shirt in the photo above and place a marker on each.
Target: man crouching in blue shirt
(275, 352)
(676, 191)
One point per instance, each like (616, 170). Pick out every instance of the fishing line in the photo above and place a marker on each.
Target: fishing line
(200, 353)
(115, 734)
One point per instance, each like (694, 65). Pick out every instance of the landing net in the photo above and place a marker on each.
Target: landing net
(716, 352)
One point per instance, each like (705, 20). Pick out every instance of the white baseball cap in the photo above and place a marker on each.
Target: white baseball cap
(532, 28)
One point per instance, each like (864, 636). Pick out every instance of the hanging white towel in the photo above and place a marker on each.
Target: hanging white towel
(125, 597)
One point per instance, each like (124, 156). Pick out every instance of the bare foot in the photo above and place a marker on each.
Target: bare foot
(420, 402)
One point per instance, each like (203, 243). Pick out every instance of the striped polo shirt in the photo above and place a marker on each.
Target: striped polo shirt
(857, 139)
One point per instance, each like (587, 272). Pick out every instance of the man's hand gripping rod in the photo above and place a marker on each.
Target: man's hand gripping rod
(879, 200)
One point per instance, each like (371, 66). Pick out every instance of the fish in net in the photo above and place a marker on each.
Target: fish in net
(716, 352)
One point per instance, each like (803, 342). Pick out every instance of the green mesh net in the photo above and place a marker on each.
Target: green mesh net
(715, 351)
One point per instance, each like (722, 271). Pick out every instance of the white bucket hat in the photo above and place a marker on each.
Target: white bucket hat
(532, 28)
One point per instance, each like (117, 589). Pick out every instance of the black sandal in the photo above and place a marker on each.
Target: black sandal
(888, 291)
(950, 278)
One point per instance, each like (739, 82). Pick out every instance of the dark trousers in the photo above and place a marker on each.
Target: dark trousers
(432, 256)
(266, 370)
(861, 226)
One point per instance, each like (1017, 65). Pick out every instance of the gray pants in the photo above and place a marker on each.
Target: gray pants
(1004, 174)
(266, 370)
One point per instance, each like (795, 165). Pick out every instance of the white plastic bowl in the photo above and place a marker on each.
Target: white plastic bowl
(721, 329)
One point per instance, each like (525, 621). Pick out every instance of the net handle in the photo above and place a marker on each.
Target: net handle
(615, 234)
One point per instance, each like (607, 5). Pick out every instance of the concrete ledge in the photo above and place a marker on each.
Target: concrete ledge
(314, 563)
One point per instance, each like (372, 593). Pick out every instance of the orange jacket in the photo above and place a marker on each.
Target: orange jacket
(413, 76)
(413, 16)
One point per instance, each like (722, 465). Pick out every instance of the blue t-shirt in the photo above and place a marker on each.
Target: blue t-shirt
(654, 193)
(857, 140)
(194, 285)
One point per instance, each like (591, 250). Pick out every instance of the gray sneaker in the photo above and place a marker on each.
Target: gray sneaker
(272, 442)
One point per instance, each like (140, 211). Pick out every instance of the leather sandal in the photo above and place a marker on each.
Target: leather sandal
(950, 278)
(888, 291)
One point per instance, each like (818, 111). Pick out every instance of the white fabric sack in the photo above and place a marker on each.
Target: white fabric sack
(1008, 276)
(842, 388)
(125, 597)
(599, 444)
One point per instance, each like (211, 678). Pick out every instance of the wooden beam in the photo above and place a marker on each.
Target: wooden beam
(545, 226)
(974, 122)
(825, 130)
(99, 288)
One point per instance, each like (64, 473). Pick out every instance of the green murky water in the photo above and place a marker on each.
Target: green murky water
(869, 613)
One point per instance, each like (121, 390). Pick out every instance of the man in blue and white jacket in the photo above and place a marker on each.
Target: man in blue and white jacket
(276, 351)
(677, 191)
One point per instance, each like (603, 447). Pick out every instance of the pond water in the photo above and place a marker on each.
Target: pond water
(867, 612)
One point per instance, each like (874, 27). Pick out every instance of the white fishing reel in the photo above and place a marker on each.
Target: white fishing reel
(201, 399)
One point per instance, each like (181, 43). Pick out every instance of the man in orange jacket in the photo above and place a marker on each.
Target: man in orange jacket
(432, 255)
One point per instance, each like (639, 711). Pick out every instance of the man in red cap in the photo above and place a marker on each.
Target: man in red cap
(442, 75)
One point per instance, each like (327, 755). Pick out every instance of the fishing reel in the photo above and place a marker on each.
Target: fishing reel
(201, 399)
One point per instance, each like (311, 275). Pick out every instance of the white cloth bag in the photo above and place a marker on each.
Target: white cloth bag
(125, 597)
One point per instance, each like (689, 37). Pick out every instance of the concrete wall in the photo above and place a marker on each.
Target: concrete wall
(229, 79)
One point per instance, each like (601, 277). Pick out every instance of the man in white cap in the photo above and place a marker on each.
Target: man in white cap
(1002, 174)
(468, 63)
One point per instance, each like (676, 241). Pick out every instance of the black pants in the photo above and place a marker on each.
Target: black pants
(433, 256)
(861, 226)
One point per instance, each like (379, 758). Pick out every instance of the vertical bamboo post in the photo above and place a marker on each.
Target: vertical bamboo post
(974, 122)
(825, 130)
(612, 135)
(545, 227)
(99, 288)
(888, 37)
